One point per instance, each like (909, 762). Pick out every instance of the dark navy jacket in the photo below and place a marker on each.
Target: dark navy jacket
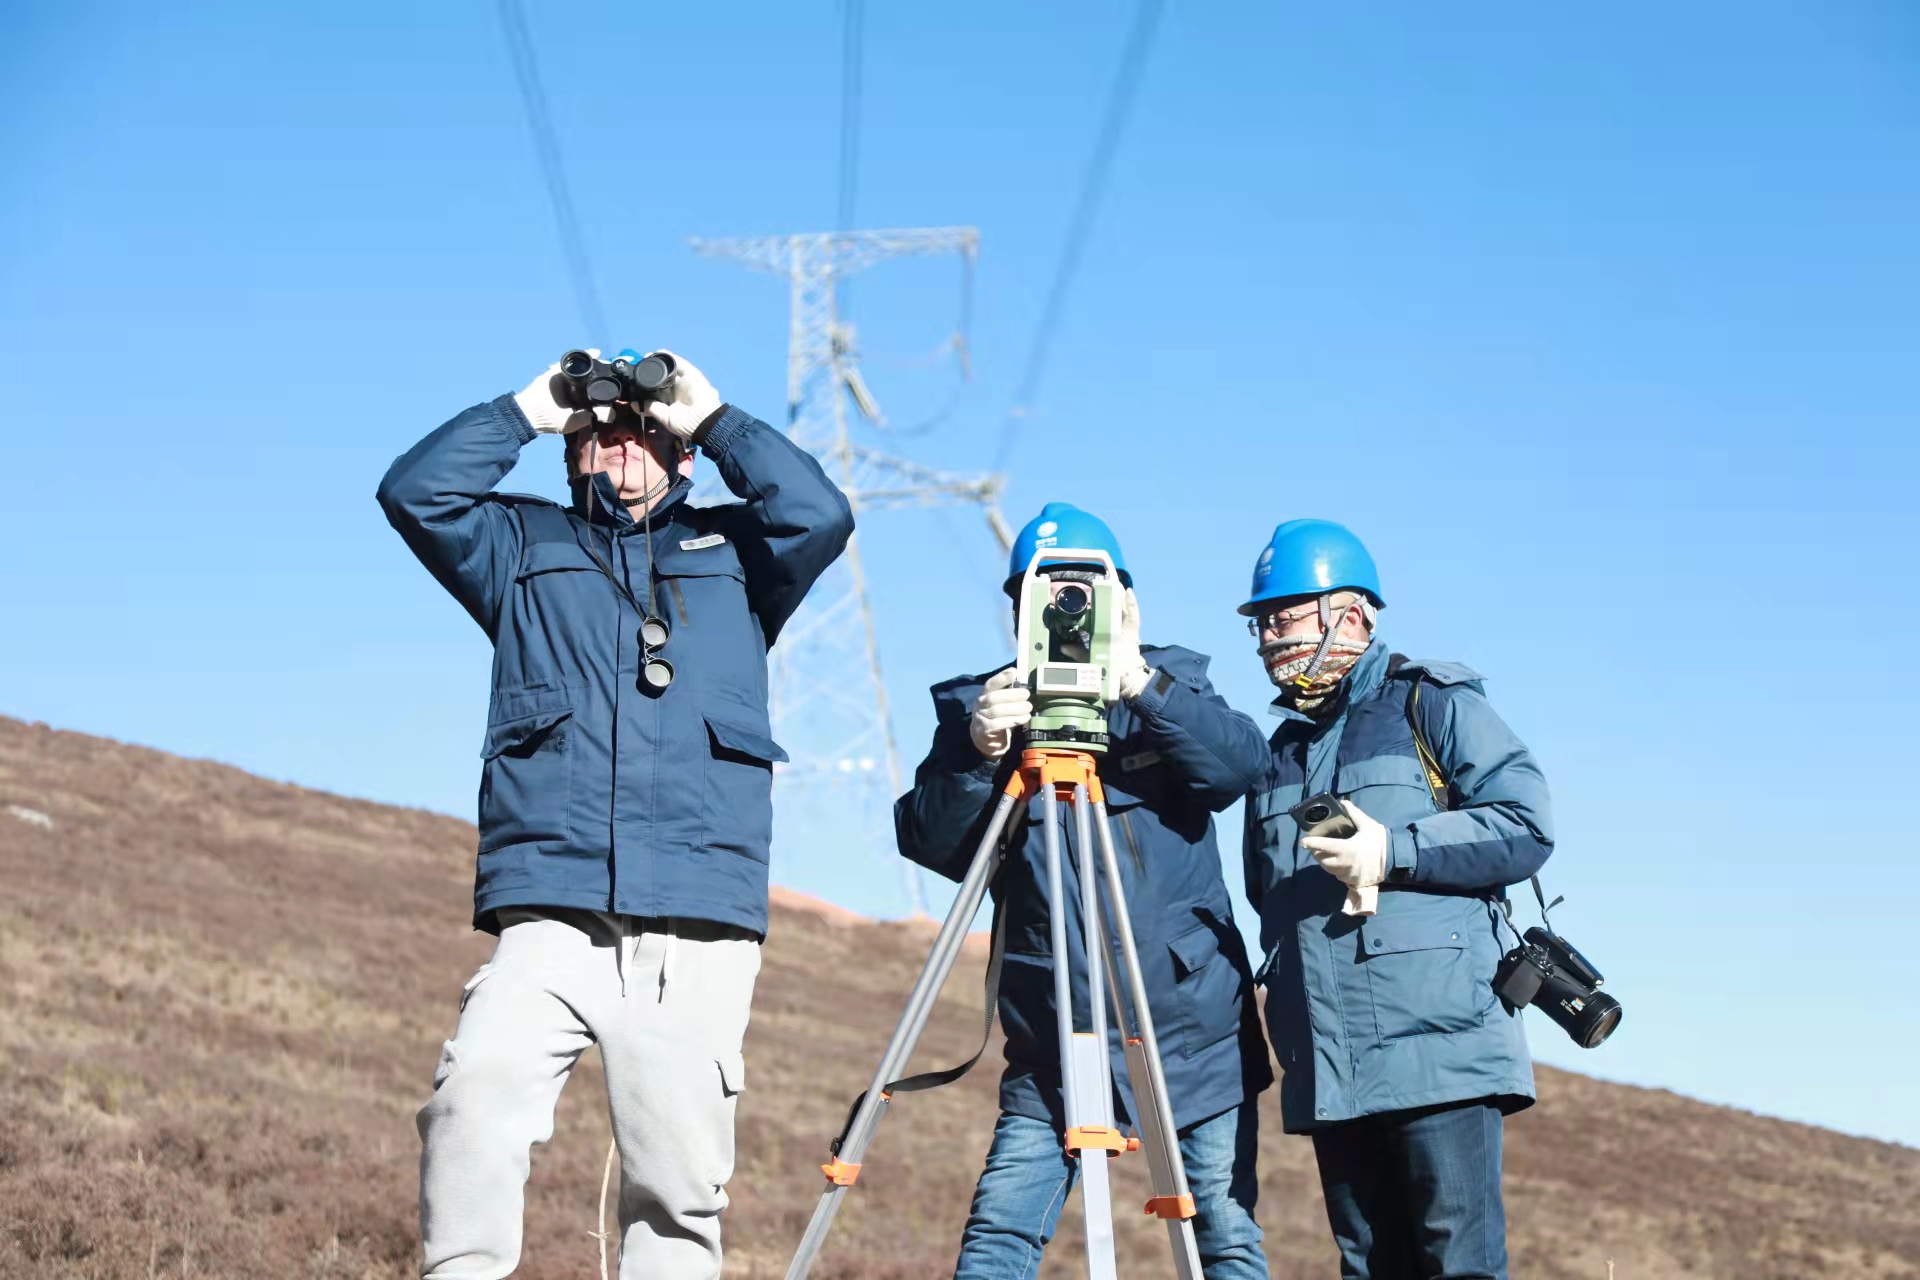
(1397, 1010)
(1166, 774)
(594, 793)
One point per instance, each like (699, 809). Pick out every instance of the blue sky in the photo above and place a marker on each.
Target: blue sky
(1597, 325)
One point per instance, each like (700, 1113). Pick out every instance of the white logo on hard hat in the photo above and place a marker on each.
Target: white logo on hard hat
(1266, 557)
(1046, 529)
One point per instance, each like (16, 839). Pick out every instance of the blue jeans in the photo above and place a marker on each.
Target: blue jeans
(1028, 1175)
(1415, 1195)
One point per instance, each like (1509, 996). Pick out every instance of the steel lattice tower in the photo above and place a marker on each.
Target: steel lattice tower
(839, 732)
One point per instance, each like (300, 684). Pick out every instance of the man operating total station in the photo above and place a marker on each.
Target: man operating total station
(1164, 779)
(625, 798)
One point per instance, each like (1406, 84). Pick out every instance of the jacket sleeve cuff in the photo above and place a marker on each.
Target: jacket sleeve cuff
(508, 410)
(1403, 855)
(1153, 698)
(722, 430)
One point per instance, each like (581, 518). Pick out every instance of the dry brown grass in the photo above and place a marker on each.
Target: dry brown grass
(223, 998)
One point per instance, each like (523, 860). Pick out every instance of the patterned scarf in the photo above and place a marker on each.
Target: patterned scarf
(1288, 659)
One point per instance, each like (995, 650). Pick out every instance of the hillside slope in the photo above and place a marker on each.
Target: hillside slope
(224, 997)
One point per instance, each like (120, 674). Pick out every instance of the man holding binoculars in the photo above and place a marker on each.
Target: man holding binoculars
(1163, 777)
(625, 799)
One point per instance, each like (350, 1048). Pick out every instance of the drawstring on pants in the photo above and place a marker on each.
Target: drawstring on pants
(629, 934)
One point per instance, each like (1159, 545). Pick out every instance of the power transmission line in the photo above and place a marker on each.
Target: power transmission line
(1126, 82)
(546, 145)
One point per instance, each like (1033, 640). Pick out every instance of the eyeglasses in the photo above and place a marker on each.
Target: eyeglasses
(1278, 620)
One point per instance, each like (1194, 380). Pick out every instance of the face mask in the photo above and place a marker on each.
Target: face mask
(1288, 659)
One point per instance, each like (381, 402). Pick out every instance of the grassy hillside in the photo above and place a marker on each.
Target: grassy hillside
(224, 998)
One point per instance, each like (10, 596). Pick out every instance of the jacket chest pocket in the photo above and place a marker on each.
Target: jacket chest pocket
(1277, 833)
(526, 782)
(559, 571)
(1420, 971)
(715, 637)
(1391, 789)
(737, 807)
(708, 583)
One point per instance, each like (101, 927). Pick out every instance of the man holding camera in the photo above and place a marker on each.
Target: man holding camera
(1382, 946)
(625, 799)
(1164, 779)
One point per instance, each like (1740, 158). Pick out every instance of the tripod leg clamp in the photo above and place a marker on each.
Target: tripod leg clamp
(1171, 1207)
(1093, 1137)
(840, 1173)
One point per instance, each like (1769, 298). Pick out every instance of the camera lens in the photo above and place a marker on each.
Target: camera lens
(1588, 1016)
(1317, 814)
(1593, 1022)
(576, 364)
(1072, 601)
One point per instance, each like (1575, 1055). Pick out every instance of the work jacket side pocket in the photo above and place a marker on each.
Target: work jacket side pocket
(1420, 975)
(526, 782)
(1206, 990)
(737, 810)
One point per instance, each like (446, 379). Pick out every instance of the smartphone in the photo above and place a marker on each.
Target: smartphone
(1322, 815)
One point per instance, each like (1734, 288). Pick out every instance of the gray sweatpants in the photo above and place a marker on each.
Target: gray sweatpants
(667, 1003)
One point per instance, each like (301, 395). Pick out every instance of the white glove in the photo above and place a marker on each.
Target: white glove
(1131, 668)
(693, 402)
(1004, 705)
(1358, 861)
(543, 407)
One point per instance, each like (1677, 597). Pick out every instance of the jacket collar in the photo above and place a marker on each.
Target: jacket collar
(1365, 677)
(596, 502)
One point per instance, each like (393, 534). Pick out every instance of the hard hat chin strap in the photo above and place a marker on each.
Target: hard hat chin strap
(1328, 625)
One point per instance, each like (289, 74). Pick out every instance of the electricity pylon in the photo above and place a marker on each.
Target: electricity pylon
(839, 732)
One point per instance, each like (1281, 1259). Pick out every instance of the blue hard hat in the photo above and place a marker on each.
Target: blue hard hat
(1061, 524)
(1311, 558)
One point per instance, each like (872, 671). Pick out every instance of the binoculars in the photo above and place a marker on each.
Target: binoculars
(588, 382)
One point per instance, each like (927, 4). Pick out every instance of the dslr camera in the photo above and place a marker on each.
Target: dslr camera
(588, 382)
(1069, 611)
(1546, 971)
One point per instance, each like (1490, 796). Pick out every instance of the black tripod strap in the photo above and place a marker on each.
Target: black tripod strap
(934, 1079)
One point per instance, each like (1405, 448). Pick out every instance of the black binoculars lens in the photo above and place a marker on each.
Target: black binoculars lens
(654, 634)
(654, 372)
(576, 364)
(656, 674)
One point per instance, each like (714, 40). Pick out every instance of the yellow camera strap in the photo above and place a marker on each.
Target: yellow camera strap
(1442, 791)
(1429, 767)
